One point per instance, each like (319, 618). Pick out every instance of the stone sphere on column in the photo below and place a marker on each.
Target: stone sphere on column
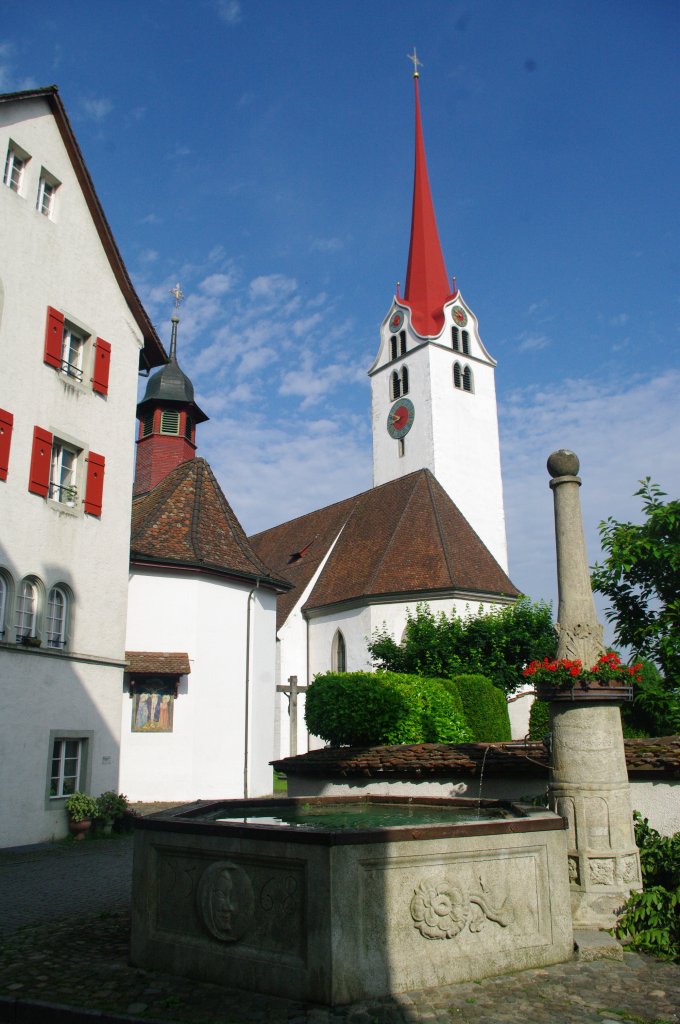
(563, 463)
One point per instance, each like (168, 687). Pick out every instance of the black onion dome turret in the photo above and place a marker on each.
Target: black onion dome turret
(171, 384)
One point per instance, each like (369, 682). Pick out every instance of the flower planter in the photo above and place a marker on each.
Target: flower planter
(79, 828)
(579, 694)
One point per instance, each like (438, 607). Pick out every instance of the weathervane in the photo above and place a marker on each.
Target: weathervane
(178, 294)
(416, 63)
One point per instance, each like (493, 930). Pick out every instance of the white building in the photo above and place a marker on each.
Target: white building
(73, 336)
(198, 715)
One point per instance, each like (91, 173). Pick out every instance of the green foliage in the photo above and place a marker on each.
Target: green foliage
(539, 720)
(496, 644)
(364, 709)
(81, 807)
(641, 578)
(650, 921)
(484, 706)
(111, 805)
(655, 708)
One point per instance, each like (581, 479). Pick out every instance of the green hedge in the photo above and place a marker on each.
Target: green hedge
(365, 709)
(539, 719)
(484, 706)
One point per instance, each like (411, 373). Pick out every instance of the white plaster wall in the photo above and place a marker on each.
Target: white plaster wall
(39, 694)
(203, 757)
(60, 262)
(519, 710)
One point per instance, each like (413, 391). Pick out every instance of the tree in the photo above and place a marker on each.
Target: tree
(497, 644)
(641, 578)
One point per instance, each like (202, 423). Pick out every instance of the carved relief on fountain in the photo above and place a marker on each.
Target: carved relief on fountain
(441, 910)
(225, 902)
(580, 640)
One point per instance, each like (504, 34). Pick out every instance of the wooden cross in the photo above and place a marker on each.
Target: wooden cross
(416, 63)
(291, 691)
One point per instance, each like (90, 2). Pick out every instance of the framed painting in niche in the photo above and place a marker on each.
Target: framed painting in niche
(153, 705)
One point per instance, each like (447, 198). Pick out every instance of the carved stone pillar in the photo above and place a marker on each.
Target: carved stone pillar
(588, 779)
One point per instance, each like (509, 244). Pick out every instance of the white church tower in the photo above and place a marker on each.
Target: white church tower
(433, 392)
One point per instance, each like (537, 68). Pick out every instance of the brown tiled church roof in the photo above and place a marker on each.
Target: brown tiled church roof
(186, 520)
(160, 663)
(406, 536)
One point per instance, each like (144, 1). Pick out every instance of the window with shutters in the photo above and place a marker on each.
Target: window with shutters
(6, 425)
(170, 421)
(15, 166)
(63, 485)
(70, 349)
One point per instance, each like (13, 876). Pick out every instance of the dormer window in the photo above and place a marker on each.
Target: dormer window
(170, 421)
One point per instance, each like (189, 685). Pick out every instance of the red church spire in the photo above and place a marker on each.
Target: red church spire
(427, 285)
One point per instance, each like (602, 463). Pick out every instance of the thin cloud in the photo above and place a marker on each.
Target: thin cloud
(533, 342)
(95, 109)
(326, 244)
(229, 11)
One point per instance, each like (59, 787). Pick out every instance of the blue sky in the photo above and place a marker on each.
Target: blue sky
(261, 153)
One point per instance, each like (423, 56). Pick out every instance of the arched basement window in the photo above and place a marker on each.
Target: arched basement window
(338, 653)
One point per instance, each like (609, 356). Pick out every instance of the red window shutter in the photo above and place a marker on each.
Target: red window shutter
(94, 485)
(54, 332)
(6, 423)
(41, 457)
(102, 361)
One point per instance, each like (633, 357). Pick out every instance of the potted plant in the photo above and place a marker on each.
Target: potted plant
(81, 809)
(561, 679)
(111, 806)
(70, 495)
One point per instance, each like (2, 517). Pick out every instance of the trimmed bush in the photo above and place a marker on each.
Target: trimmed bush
(484, 706)
(366, 709)
(539, 719)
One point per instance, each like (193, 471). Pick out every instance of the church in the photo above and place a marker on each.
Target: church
(431, 529)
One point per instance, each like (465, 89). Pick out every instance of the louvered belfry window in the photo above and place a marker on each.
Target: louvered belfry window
(170, 421)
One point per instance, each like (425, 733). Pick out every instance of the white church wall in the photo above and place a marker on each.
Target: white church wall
(203, 756)
(59, 261)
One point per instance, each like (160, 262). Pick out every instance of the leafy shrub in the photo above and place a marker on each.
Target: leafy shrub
(539, 719)
(650, 921)
(111, 805)
(655, 709)
(484, 706)
(364, 709)
(81, 807)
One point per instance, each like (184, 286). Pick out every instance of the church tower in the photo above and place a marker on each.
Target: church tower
(167, 418)
(433, 392)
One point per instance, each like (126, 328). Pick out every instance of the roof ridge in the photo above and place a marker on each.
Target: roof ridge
(440, 529)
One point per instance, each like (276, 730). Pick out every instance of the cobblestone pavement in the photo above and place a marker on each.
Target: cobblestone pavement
(77, 957)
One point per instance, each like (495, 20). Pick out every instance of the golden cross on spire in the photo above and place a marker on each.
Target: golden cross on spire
(178, 294)
(416, 63)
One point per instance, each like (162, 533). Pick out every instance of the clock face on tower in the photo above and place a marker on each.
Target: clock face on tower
(400, 418)
(396, 320)
(459, 315)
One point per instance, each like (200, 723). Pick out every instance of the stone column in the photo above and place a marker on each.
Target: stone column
(588, 779)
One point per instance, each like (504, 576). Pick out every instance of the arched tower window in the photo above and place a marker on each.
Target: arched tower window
(395, 385)
(457, 376)
(57, 617)
(338, 653)
(404, 380)
(402, 343)
(467, 379)
(394, 352)
(455, 338)
(466, 342)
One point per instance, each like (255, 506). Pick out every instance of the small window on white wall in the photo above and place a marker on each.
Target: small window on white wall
(26, 620)
(57, 617)
(338, 653)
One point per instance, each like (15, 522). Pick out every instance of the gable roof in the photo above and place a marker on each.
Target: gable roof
(153, 353)
(186, 521)
(406, 536)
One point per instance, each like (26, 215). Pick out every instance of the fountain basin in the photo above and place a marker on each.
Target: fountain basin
(404, 893)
